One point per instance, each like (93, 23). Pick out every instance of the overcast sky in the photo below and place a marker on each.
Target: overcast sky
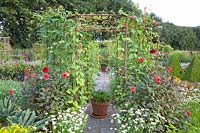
(179, 12)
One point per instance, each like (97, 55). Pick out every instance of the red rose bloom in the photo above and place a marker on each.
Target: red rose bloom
(140, 59)
(157, 79)
(153, 51)
(10, 91)
(46, 76)
(64, 75)
(169, 68)
(45, 69)
(188, 113)
(132, 89)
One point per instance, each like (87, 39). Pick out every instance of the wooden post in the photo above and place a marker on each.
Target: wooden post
(125, 52)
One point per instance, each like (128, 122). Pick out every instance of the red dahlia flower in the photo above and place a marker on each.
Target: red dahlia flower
(46, 76)
(169, 68)
(10, 91)
(140, 59)
(188, 113)
(132, 89)
(45, 69)
(153, 51)
(64, 75)
(157, 79)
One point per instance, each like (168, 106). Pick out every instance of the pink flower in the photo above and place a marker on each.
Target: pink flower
(64, 75)
(153, 51)
(188, 113)
(132, 89)
(45, 69)
(169, 68)
(140, 59)
(10, 91)
(157, 79)
(46, 76)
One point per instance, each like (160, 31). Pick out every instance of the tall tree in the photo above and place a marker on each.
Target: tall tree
(15, 18)
(16, 15)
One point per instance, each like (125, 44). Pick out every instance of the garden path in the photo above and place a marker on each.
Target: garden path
(100, 125)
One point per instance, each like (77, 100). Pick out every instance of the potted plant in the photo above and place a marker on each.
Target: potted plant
(100, 102)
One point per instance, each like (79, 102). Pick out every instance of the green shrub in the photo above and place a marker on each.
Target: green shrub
(163, 47)
(7, 108)
(27, 118)
(5, 85)
(14, 71)
(192, 72)
(177, 69)
(193, 123)
(183, 56)
(39, 50)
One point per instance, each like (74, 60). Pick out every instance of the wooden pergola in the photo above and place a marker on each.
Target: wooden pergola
(104, 23)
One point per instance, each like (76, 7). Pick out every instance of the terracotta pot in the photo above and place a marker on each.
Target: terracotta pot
(100, 109)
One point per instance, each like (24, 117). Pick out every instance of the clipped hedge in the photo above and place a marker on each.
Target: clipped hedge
(192, 72)
(184, 56)
(177, 69)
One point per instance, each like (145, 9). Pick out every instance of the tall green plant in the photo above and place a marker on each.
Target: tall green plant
(69, 50)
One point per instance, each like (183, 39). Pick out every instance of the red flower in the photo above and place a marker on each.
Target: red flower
(157, 79)
(153, 51)
(45, 69)
(46, 76)
(140, 59)
(188, 113)
(10, 91)
(26, 74)
(64, 75)
(132, 89)
(169, 68)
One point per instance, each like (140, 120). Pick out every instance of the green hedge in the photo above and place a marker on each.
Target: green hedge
(192, 72)
(177, 69)
(183, 56)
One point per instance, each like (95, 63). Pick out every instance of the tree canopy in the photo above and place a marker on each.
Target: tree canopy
(16, 20)
(16, 15)
(179, 37)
